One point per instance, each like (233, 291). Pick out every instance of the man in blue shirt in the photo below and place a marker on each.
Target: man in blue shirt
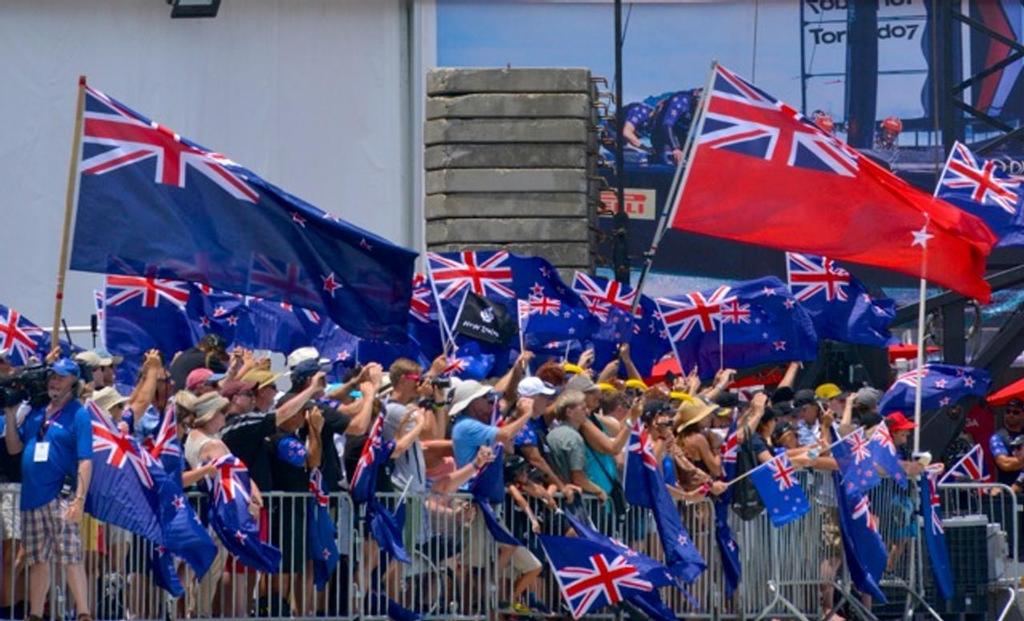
(671, 124)
(1008, 463)
(55, 442)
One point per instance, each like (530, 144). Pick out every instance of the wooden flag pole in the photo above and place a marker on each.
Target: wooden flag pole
(69, 209)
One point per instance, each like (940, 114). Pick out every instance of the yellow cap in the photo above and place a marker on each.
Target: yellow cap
(635, 383)
(827, 391)
(569, 367)
(605, 386)
(678, 395)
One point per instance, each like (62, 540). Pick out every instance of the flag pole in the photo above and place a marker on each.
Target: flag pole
(759, 466)
(678, 184)
(441, 318)
(671, 339)
(69, 209)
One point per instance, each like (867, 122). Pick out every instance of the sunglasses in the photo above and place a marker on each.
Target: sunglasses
(415, 377)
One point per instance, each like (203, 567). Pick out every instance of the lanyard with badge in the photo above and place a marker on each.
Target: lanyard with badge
(42, 449)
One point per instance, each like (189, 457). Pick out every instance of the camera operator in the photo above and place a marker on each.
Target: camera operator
(55, 442)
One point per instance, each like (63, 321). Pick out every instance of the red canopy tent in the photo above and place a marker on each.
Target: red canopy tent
(1006, 393)
(908, 351)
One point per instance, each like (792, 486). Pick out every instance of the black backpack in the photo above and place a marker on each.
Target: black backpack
(746, 502)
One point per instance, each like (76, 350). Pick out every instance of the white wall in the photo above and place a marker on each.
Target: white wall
(311, 94)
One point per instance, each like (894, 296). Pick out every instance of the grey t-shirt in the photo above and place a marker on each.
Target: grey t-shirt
(567, 451)
(409, 465)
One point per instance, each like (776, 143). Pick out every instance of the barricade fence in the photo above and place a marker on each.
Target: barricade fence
(457, 571)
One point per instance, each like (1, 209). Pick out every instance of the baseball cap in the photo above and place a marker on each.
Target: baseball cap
(569, 367)
(804, 396)
(679, 395)
(465, 393)
(782, 394)
(233, 387)
(305, 353)
(867, 397)
(781, 429)
(310, 366)
(828, 391)
(581, 383)
(65, 367)
(533, 386)
(636, 384)
(200, 376)
(898, 422)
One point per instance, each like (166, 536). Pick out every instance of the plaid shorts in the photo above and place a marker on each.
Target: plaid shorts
(45, 529)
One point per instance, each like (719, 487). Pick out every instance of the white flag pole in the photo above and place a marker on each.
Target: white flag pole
(678, 185)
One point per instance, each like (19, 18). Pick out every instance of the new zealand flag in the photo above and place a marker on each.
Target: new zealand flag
(839, 304)
(739, 326)
(941, 385)
(152, 203)
(233, 523)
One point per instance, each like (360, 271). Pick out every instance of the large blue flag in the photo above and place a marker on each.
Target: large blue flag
(151, 203)
(863, 547)
(645, 487)
(935, 534)
(471, 361)
(740, 326)
(122, 491)
(839, 304)
(24, 339)
(941, 385)
(231, 520)
(184, 535)
(779, 490)
(856, 463)
(612, 305)
(592, 575)
(321, 535)
(983, 188)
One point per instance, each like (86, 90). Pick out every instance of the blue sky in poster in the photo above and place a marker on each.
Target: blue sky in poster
(669, 46)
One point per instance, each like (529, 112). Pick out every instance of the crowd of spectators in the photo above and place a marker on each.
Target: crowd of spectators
(560, 430)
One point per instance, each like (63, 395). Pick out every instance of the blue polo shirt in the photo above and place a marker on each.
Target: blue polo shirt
(468, 435)
(70, 437)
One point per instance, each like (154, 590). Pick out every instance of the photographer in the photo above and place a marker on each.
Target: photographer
(55, 442)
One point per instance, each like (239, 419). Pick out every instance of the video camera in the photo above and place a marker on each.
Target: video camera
(27, 384)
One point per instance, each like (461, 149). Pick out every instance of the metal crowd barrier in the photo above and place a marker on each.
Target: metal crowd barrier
(458, 572)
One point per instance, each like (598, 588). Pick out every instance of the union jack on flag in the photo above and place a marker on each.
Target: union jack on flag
(744, 119)
(125, 138)
(810, 275)
(884, 438)
(980, 180)
(543, 305)
(165, 442)
(693, 310)
(913, 377)
(641, 445)
(600, 299)
(120, 447)
(863, 510)
(19, 336)
(148, 291)
(932, 473)
(970, 467)
(782, 472)
(858, 446)
(600, 583)
(374, 440)
(422, 299)
(482, 273)
(734, 312)
(228, 482)
(316, 487)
